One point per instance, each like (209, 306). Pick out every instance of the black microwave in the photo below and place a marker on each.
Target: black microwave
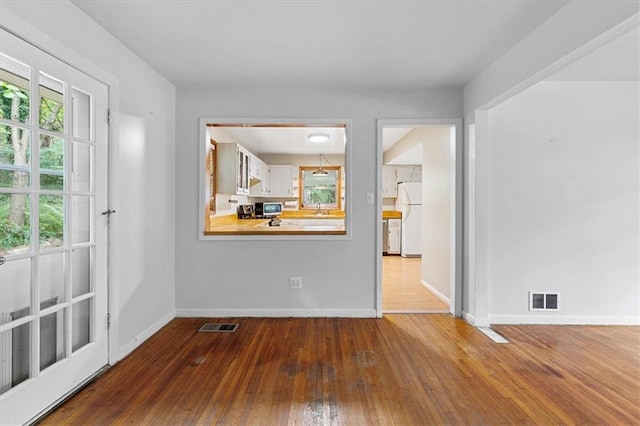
(268, 209)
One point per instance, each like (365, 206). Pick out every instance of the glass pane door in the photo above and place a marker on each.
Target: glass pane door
(53, 174)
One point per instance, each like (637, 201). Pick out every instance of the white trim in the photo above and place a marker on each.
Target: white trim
(416, 311)
(202, 155)
(468, 317)
(275, 313)
(457, 198)
(493, 335)
(551, 319)
(435, 291)
(476, 322)
(146, 334)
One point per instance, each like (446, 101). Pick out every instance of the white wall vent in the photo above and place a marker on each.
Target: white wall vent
(542, 301)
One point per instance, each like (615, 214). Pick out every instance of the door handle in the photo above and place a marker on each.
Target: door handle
(108, 212)
(3, 260)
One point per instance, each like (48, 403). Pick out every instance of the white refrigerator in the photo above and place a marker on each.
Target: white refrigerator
(409, 202)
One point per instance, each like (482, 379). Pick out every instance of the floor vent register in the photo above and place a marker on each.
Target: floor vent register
(212, 327)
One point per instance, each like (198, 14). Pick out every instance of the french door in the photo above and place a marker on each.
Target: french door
(53, 238)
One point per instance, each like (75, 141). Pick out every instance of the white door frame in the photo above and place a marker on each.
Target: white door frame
(455, 292)
(26, 31)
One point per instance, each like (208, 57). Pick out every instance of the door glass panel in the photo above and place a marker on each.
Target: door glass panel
(81, 278)
(51, 162)
(82, 167)
(81, 227)
(15, 153)
(15, 228)
(51, 221)
(14, 90)
(81, 314)
(80, 115)
(51, 104)
(15, 347)
(15, 289)
(52, 338)
(51, 274)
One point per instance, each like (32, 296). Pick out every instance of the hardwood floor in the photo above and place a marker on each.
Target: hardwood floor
(402, 289)
(401, 369)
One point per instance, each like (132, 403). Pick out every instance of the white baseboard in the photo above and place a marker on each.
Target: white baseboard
(468, 318)
(437, 293)
(142, 337)
(477, 322)
(563, 320)
(276, 313)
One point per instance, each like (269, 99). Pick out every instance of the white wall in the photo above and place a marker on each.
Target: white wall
(563, 202)
(575, 30)
(251, 277)
(144, 172)
(436, 208)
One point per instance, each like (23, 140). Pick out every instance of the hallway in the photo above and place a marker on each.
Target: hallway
(402, 290)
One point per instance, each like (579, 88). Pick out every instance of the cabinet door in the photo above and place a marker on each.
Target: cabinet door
(266, 180)
(254, 167)
(389, 188)
(242, 178)
(394, 235)
(281, 181)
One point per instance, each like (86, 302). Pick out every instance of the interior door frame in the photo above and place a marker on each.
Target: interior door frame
(41, 40)
(457, 149)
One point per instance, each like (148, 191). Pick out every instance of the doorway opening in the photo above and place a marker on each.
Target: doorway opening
(419, 216)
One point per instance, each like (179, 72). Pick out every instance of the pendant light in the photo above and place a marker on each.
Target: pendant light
(320, 172)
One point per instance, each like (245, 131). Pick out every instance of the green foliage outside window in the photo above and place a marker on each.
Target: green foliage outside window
(15, 154)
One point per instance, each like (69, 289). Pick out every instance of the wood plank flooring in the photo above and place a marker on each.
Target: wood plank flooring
(402, 289)
(401, 369)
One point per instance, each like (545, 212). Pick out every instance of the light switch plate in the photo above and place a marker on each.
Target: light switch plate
(295, 282)
(370, 198)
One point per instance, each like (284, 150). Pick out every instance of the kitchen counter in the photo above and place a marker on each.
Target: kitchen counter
(391, 214)
(304, 225)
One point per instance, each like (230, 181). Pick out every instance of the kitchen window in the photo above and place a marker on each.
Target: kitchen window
(320, 191)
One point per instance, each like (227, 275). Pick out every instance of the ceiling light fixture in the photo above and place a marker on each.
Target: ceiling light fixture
(320, 172)
(318, 137)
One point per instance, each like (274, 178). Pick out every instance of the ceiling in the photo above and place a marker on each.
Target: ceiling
(282, 140)
(350, 43)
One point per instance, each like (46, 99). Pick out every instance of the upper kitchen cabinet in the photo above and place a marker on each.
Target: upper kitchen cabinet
(258, 169)
(389, 181)
(283, 181)
(233, 169)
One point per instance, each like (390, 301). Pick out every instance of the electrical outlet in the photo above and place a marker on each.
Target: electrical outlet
(295, 282)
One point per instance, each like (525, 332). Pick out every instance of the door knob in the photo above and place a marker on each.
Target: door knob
(3, 260)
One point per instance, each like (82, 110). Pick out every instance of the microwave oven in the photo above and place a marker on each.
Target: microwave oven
(268, 209)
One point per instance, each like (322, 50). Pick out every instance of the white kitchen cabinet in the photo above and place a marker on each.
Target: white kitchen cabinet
(389, 182)
(255, 168)
(259, 177)
(282, 181)
(394, 230)
(233, 169)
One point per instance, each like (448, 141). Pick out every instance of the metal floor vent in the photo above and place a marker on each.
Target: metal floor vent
(212, 327)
